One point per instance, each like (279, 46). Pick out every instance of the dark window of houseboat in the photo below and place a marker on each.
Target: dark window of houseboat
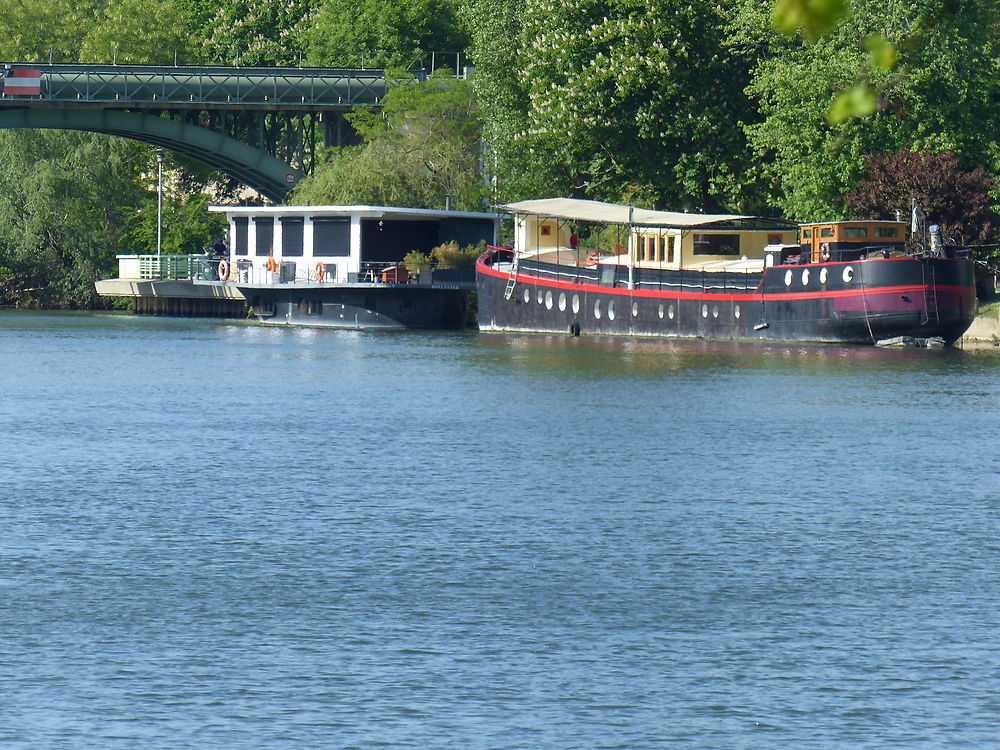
(855, 233)
(716, 244)
(240, 224)
(332, 237)
(807, 234)
(884, 232)
(826, 232)
(291, 236)
(265, 235)
(641, 251)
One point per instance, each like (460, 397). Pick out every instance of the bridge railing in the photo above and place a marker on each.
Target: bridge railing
(272, 87)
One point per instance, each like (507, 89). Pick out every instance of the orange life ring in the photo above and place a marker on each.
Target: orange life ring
(824, 250)
(320, 271)
(223, 270)
(271, 265)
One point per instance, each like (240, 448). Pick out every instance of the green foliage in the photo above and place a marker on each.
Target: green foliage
(126, 31)
(63, 200)
(450, 255)
(252, 32)
(422, 147)
(188, 227)
(387, 33)
(627, 101)
(812, 17)
(936, 99)
(416, 261)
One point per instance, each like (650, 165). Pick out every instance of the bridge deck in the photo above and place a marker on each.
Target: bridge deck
(116, 86)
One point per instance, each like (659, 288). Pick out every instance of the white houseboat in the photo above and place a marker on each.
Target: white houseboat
(343, 266)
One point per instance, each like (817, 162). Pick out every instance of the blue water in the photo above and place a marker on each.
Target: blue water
(223, 535)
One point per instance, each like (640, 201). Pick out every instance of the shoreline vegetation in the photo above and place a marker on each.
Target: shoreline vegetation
(812, 111)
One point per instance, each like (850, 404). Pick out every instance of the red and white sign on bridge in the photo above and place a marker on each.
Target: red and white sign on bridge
(22, 82)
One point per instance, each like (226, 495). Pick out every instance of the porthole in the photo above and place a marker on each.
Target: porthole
(635, 310)
(611, 310)
(540, 297)
(848, 274)
(805, 277)
(548, 300)
(670, 312)
(788, 278)
(704, 311)
(597, 309)
(823, 274)
(527, 295)
(562, 301)
(660, 312)
(715, 311)
(576, 303)
(737, 312)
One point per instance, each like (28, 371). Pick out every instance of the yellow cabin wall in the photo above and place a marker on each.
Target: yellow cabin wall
(752, 246)
(534, 239)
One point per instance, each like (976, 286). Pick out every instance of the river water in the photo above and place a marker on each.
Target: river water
(225, 535)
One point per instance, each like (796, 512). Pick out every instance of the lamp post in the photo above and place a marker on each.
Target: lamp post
(159, 207)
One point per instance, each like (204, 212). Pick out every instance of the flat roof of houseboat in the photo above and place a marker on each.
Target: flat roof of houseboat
(374, 212)
(574, 209)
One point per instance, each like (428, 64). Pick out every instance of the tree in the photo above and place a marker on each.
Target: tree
(937, 99)
(388, 33)
(622, 100)
(64, 198)
(145, 32)
(419, 150)
(959, 201)
(251, 32)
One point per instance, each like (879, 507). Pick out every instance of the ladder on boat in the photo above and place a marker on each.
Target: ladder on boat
(511, 279)
(930, 294)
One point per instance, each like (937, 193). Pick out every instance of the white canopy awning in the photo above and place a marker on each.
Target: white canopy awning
(574, 209)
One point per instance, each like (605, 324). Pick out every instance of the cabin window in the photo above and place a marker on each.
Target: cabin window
(640, 248)
(291, 236)
(331, 237)
(807, 234)
(240, 233)
(855, 233)
(716, 244)
(885, 232)
(826, 232)
(264, 243)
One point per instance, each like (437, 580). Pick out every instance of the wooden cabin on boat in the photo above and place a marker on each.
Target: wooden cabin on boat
(850, 240)
(550, 229)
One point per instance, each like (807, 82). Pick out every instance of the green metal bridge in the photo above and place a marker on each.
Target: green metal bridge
(262, 126)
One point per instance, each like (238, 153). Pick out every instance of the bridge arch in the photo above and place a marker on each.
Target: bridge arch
(261, 171)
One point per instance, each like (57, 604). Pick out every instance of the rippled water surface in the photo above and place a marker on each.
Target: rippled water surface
(223, 535)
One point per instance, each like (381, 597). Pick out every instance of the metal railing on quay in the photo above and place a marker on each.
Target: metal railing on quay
(177, 268)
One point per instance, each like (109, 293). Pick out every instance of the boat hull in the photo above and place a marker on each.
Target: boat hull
(861, 302)
(359, 306)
